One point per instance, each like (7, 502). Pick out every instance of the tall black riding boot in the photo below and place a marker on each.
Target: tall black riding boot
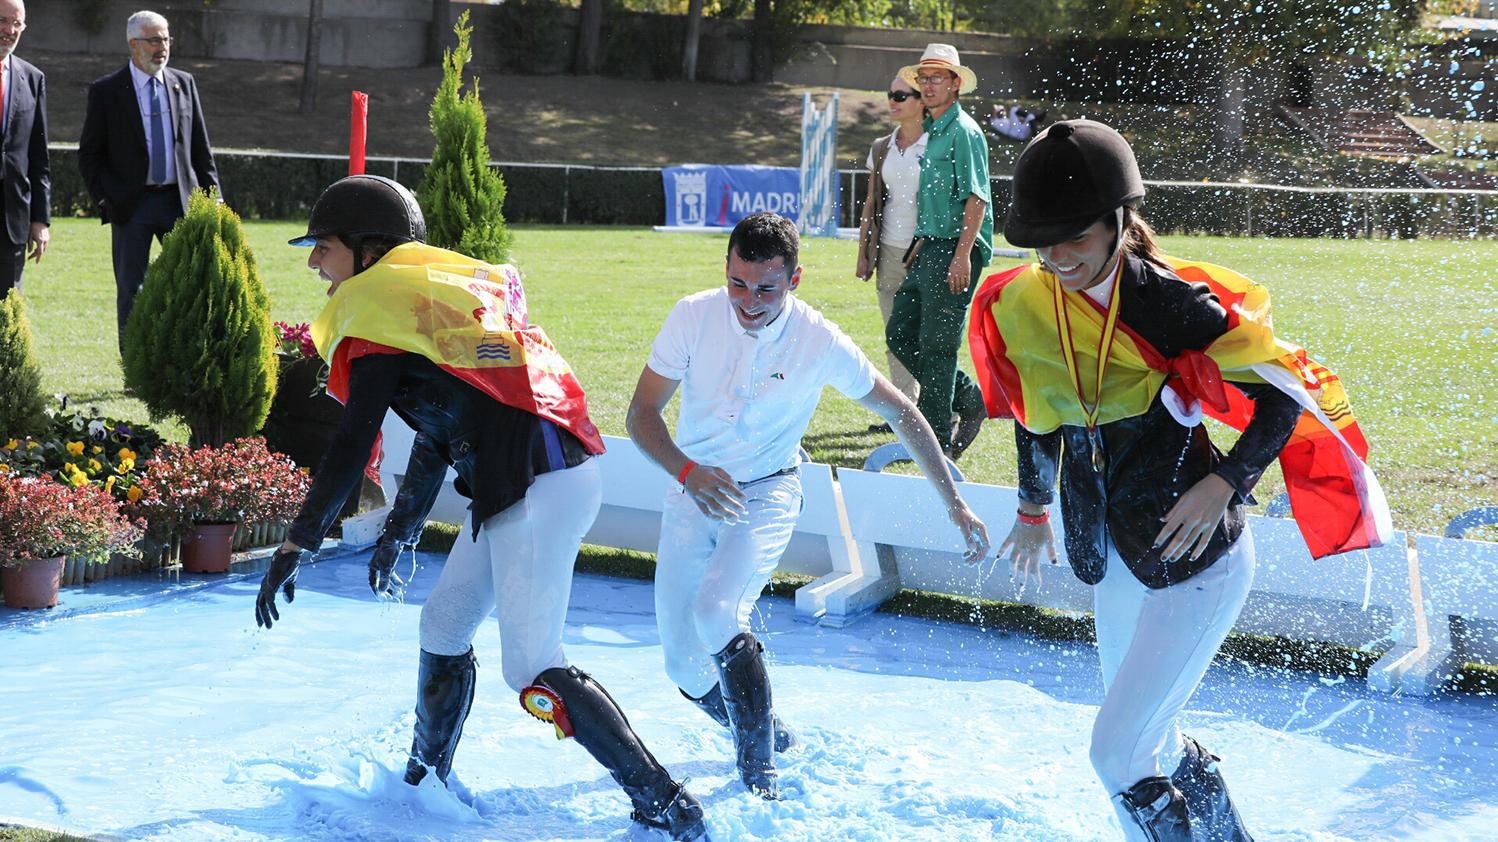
(1213, 816)
(581, 708)
(444, 693)
(746, 694)
(1153, 810)
(712, 705)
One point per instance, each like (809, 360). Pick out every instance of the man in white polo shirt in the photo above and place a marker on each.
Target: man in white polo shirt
(751, 360)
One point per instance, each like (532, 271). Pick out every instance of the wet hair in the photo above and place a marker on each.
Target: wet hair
(1138, 237)
(765, 236)
(373, 247)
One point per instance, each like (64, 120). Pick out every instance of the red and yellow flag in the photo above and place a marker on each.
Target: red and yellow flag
(1016, 349)
(467, 316)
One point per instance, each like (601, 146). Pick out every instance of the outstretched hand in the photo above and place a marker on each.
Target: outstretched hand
(280, 577)
(1024, 547)
(383, 579)
(974, 533)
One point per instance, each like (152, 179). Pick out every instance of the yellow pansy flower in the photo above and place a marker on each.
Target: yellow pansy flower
(126, 466)
(78, 480)
(12, 444)
(69, 468)
(4, 469)
(94, 465)
(109, 484)
(126, 453)
(134, 493)
(75, 448)
(96, 449)
(31, 445)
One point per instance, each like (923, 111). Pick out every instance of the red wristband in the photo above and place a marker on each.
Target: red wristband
(1033, 520)
(685, 469)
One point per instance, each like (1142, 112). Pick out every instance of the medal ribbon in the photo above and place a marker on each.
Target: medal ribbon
(1069, 351)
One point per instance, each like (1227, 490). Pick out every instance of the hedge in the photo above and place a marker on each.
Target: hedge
(285, 187)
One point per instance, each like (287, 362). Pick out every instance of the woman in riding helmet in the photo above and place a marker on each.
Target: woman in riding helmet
(1107, 353)
(443, 340)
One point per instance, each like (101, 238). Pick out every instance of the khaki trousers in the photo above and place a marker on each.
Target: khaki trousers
(888, 275)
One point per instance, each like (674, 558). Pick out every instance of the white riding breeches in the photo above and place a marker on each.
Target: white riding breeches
(1155, 646)
(522, 562)
(708, 574)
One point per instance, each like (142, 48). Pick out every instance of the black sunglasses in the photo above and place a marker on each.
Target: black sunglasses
(901, 96)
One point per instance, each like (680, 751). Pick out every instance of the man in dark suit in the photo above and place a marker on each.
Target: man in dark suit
(25, 174)
(143, 151)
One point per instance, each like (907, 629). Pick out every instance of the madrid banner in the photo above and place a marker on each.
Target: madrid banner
(720, 196)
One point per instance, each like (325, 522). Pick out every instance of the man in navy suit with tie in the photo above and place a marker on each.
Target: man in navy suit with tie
(25, 174)
(143, 151)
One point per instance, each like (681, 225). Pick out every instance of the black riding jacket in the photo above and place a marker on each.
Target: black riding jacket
(497, 450)
(1151, 459)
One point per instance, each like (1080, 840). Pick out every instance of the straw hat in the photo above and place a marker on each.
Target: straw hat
(940, 57)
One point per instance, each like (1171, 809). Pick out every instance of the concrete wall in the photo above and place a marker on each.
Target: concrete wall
(367, 33)
(393, 33)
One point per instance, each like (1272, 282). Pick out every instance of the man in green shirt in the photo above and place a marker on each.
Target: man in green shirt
(954, 241)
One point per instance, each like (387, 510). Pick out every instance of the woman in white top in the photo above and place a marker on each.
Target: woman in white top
(889, 210)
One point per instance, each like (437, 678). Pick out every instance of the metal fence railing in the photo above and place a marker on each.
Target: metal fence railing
(283, 185)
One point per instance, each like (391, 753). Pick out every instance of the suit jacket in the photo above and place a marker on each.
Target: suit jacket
(25, 172)
(112, 151)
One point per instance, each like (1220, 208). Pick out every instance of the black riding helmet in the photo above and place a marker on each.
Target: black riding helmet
(365, 206)
(1066, 179)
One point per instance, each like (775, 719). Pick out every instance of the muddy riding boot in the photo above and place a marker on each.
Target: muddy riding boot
(1213, 816)
(1153, 810)
(746, 695)
(712, 705)
(444, 693)
(579, 707)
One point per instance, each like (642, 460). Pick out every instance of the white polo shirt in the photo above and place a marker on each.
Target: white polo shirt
(902, 179)
(747, 399)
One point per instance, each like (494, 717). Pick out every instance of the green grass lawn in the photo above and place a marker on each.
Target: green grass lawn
(1412, 328)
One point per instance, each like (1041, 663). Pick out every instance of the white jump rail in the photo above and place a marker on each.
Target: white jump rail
(865, 535)
(1459, 620)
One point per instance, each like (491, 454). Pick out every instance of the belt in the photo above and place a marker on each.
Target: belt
(780, 473)
(161, 188)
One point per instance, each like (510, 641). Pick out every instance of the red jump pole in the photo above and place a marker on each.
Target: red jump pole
(358, 124)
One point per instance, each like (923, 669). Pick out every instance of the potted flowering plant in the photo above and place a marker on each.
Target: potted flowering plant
(203, 494)
(41, 522)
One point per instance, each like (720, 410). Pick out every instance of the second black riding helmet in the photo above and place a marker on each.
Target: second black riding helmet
(361, 206)
(1067, 178)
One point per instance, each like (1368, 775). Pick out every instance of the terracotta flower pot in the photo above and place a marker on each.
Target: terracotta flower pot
(206, 547)
(31, 582)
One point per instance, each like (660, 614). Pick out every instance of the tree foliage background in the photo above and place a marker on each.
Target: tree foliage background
(199, 344)
(461, 196)
(22, 408)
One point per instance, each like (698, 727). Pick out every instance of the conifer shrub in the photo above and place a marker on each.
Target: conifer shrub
(461, 195)
(199, 344)
(22, 408)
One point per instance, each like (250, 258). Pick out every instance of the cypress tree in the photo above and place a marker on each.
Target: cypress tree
(461, 196)
(199, 344)
(22, 408)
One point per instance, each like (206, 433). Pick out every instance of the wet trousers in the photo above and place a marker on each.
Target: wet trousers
(521, 563)
(708, 574)
(924, 331)
(1155, 646)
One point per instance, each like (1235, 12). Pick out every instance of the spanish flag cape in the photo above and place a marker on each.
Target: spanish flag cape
(1016, 347)
(468, 317)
